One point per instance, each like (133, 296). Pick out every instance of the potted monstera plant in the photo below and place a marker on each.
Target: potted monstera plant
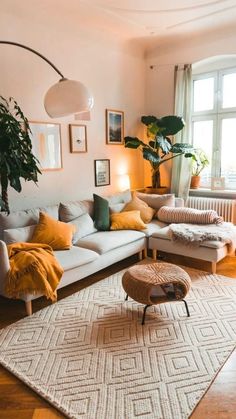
(16, 158)
(158, 148)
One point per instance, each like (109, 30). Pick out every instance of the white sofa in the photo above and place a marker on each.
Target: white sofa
(99, 249)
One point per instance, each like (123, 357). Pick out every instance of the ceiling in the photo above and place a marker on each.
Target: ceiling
(168, 18)
(149, 21)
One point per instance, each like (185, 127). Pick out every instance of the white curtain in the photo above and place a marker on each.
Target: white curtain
(181, 167)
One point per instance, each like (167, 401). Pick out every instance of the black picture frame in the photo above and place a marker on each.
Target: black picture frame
(102, 172)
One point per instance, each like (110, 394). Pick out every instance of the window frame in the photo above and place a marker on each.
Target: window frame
(217, 114)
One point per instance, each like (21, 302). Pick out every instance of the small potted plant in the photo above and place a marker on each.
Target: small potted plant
(199, 162)
(159, 148)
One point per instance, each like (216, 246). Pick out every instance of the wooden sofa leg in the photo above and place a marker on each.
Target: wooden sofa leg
(154, 254)
(28, 306)
(145, 253)
(213, 267)
(140, 255)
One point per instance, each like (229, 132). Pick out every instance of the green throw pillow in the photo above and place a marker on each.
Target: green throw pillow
(101, 213)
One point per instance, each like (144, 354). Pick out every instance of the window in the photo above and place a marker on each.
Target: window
(214, 124)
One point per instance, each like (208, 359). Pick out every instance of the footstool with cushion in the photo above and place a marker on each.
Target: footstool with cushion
(156, 283)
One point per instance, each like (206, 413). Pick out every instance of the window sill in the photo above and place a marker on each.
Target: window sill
(213, 194)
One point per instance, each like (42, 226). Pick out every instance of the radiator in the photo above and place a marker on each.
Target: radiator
(224, 207)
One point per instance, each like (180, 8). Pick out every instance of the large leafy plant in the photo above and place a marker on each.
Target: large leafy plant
(16, 158)
(159, 148)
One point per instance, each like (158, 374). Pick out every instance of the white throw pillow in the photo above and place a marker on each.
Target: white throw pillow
(71, 210)
(21, 234)
(116, 207)
(118, 198)
(84, 226)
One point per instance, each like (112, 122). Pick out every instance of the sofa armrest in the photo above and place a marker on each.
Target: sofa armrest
(4, 265)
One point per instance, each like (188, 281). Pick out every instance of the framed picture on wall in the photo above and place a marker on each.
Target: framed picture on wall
(217, 183)
(102, 172)
(46, 144)
(78, 138)
(114, 127)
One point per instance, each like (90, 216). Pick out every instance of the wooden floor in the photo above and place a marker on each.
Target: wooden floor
(17, 401)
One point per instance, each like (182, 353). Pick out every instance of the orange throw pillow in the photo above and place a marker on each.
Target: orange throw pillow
(146, 212)
(128, 220)
(56, 234)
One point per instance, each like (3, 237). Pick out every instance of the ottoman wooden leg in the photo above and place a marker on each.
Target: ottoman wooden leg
(186, 306)
(144, 312)
(28, 306)
(154, 254)
(213, 267)
(145, 253)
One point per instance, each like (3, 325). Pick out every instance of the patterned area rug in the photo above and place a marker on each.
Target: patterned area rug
(90, 357)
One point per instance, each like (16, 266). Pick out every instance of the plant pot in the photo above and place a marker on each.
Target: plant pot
(159, 191)
(195, 182)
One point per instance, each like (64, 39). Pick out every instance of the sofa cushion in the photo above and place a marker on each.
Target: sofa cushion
(55, 233)
(70, 210)
(146, 212)
(165, 234)
(157, 201)
(74, 257)
(101, 213)
(127, 220)
(84, 226)
(21, 234)
(153, 227)
(104, 241)
(25, 218)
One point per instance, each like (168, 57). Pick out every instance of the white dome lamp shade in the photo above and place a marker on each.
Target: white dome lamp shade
(67, 97)
(64, 98)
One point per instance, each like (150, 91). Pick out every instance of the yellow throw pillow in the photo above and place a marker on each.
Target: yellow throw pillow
(146, 212)
(56, 234)
(128, 220)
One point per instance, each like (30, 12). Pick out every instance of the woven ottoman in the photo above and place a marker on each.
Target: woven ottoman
(156, 283)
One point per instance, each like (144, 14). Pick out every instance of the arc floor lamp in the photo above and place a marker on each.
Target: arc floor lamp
(66, 97)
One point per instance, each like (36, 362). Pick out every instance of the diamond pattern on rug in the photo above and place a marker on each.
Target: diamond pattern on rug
(91, 358)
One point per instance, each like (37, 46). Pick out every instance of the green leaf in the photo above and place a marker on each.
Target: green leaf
(151, 156)
(187, 155)
(133, 142)
(147, 120)
(163, 144)
(171, 124)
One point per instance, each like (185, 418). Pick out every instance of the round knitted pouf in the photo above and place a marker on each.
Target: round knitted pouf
(156, 283)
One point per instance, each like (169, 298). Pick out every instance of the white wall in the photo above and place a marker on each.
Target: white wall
(113, 70)
(160, 78)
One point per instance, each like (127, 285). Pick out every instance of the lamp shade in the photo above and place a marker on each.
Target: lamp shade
(124, 182)
(67, 97)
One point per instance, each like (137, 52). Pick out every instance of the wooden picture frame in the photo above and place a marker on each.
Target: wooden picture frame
(78, 138)
(46, 144)
(102, 172)
(217, 183)
(114, 127)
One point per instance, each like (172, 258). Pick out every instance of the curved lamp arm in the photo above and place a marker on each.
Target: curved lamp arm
(64, 98)
(34, 52)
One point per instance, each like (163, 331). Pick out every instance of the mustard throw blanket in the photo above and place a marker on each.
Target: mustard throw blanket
(33, 269)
